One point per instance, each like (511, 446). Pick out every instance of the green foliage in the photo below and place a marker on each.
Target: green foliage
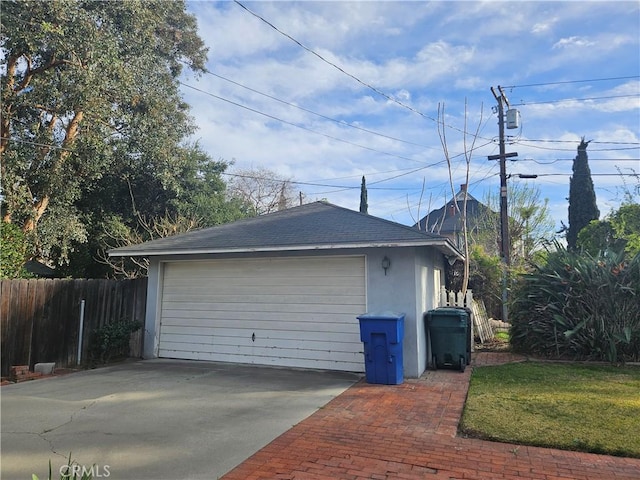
(90, 98)
(112, 340)
(530, 223)
(619, 231)
(597, 237)
(140, 209)
(626, 225)
(579, 307)
(71, 471)
(504, 336)
(582, 197)
(485, 279)
(13, 251)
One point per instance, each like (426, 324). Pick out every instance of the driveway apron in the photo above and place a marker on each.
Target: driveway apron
(156, 419)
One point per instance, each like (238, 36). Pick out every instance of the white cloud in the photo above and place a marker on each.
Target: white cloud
(423, 54)
(544, 26)
(573, 41)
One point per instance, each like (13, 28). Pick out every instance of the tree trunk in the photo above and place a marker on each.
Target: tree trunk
(38, 210)
(41, 205)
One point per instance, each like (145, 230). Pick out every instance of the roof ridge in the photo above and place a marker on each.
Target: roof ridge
(390, 222)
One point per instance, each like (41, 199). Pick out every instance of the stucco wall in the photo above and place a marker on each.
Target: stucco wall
(408, 287)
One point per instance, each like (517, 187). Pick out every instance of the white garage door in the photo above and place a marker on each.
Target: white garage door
(297, 312)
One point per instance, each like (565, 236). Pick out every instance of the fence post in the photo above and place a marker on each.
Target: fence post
(81, 332)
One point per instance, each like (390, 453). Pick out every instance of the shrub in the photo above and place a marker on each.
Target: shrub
(112, 340)
(580, 307)
(485, 279)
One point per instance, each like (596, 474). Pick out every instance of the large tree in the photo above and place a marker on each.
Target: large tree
(263, 190)
(530, 223)
(89, 88)
(130, 205)
(582, 196)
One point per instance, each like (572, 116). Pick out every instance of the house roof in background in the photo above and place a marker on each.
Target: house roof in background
(40, 269)
(314, 226)
(441, 220)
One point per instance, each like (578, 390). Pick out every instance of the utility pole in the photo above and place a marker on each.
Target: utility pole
(505, 244)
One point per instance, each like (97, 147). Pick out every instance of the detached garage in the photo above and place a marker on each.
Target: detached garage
(286, 288)
(296, 312)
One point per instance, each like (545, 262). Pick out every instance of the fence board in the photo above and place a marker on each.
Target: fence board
(40, 319)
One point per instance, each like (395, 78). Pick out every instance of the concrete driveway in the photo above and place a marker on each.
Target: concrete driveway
(156, 419)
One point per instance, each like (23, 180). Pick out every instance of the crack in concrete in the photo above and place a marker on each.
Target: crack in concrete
(43, 434)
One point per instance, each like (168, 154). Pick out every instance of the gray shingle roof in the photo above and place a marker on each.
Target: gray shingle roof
(318, 225)
(443, 221)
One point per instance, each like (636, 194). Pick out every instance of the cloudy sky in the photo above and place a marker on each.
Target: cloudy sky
(326, 92)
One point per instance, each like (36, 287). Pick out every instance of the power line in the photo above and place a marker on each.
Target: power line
(350, 75)
(573, 100)
(273, 117)
(572, 159)
(313, 52)
(525, 143)
(573, 81)
(312, 184)
(575, 141)
(579, 174)
(339, 122)
(36, 144)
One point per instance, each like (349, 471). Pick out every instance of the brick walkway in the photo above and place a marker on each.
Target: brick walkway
(408, 431)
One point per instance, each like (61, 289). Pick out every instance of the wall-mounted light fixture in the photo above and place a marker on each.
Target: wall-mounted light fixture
(386, 263)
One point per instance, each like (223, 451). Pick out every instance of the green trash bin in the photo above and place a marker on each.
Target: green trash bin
(450, 333)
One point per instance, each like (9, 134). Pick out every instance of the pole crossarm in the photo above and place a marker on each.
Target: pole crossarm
(506, 155)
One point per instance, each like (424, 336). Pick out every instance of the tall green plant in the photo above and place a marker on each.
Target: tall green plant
(485, 279)
(579, 307)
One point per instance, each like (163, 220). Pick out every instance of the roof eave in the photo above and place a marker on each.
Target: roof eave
(443, 244)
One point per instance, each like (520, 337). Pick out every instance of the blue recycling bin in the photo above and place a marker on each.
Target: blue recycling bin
(382, 335)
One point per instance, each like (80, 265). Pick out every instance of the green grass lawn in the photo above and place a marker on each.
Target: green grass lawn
(589, 408)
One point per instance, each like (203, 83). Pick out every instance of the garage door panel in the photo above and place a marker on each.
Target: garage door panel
(203, 291)
(203, 287)
(241, 327)
(261, 345)
(278, 268)
(332, 336)
(187, 310)
(298, 308)
(287, 298)
(266, 341)
(186, 317)
(268, 352)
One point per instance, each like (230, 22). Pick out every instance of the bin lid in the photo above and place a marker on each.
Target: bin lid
(386, 315)
(448, 312)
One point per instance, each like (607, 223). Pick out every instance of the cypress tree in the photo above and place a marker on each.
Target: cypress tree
(364, 205)
(582, 196)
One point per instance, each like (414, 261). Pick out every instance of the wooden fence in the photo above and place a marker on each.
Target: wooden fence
(480, 320)
(40, 319)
